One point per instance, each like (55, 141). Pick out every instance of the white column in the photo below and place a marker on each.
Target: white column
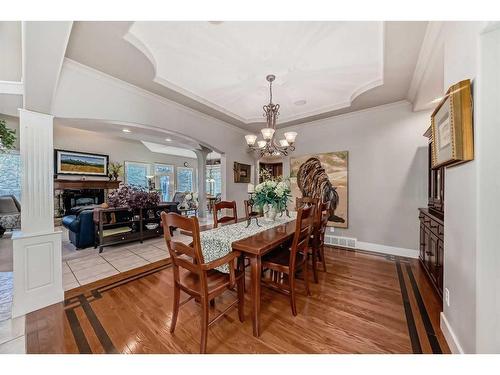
(37, 248)
(201, 155)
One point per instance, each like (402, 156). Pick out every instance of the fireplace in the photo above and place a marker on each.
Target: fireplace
(72, 198)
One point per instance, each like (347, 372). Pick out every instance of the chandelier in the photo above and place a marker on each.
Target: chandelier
(268, 146)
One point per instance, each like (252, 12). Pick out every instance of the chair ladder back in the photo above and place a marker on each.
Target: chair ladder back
(303, 227)
(219, 206)
(179, 249)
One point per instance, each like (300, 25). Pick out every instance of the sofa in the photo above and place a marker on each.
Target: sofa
(10, 213)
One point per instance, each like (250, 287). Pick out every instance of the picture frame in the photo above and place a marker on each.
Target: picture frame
(80, 163)
(242, 173)
(451, 127)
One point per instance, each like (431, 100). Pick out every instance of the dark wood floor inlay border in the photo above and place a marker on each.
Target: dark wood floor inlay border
(84, 301)
(77, 331)
(431, 335)
(410, 320)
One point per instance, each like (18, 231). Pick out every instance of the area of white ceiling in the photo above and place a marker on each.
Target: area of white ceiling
(170, 150)
(103, 46)
(320, 66)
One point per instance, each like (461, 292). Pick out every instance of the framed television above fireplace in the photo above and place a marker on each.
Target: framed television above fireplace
(80, 163)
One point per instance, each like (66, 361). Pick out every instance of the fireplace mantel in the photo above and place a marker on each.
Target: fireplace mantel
(85, 184)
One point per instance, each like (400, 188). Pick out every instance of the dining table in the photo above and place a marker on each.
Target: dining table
(253, 243)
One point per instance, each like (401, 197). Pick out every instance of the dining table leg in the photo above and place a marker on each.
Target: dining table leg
(255, 274)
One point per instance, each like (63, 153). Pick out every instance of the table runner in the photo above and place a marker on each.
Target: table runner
(216, 243)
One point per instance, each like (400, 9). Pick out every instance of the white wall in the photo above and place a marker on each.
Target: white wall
(488, 188)
(10, 51)
(387, 169)
(88, 94)
(459, 44)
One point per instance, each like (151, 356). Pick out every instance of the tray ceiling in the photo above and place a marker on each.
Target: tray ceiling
(320, 66)
(323, 69)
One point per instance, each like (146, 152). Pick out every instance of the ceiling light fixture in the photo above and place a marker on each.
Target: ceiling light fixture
(168, 139)
(126, 131)
(269, 146)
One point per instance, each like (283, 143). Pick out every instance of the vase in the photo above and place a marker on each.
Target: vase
(270, 212)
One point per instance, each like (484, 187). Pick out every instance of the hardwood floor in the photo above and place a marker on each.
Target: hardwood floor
(365, 303)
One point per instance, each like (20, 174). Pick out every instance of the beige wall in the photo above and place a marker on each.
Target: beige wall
(387, 169)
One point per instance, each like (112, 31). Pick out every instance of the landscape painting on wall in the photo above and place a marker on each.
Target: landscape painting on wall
(80, 163)
(323, 176)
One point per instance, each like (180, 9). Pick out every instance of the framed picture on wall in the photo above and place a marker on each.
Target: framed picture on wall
(451, 124)
(242, 172)
(80, 163)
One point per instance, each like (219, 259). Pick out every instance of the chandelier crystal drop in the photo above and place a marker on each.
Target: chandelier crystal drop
(269, 146)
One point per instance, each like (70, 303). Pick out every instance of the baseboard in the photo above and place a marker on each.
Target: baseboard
(384, 249)
(449, 335)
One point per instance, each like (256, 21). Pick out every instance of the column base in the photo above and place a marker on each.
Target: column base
(37, 271)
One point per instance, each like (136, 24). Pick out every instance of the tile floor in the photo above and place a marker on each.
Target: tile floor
(85, 266)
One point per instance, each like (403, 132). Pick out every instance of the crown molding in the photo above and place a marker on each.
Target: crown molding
(383, 107)
(97, 74)
(427, 49)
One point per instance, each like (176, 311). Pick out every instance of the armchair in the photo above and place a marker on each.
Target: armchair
(10, 213)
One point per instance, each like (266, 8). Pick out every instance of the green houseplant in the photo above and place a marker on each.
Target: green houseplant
(7, 137)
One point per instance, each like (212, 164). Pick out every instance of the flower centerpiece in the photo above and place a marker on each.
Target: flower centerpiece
(272, 196)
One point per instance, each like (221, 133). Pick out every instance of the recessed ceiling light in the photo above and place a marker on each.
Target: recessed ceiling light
(126, 130)
(300, 102)
(168, 139)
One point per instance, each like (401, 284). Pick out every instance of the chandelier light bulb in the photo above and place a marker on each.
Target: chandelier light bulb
(261, 144)
(250, 138)
(284, 143)
(290, 137)
(267, 133)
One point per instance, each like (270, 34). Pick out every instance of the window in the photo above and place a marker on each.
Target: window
(135, 174)
(10, 174)
(184, 179)
(214, 179)
(164, 181)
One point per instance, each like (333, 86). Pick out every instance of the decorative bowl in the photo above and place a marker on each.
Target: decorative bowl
(152, 225)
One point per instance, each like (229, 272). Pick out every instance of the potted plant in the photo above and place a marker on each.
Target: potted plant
(272, 196)
(115, 170)
(7, 137)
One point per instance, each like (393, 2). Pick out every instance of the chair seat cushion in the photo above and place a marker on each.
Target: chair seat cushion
(191, 280)
(280, 257)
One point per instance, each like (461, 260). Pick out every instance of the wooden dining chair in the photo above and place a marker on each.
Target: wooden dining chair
(225, 205)
(318, 238)
(284, 263)
(198, 279)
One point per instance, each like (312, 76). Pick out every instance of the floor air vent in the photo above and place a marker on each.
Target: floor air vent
(340, 241)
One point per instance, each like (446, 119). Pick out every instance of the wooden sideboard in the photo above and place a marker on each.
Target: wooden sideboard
(432, 225)
(432, 247)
